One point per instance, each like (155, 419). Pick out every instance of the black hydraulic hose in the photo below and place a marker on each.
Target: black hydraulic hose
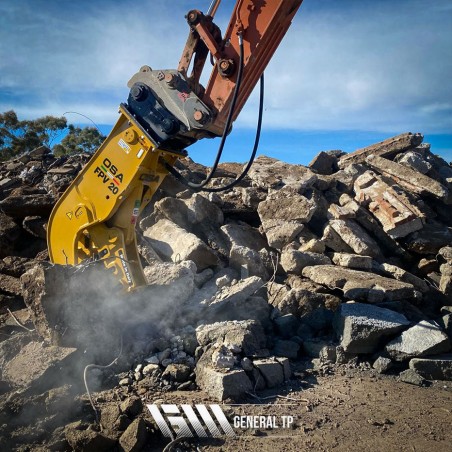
(187, 183)
(179, 176)
(226, 129)
(256, 145)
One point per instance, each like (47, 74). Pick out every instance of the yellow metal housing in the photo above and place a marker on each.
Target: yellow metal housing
(95, 218)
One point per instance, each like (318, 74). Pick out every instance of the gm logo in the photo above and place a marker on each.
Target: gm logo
(181, 426)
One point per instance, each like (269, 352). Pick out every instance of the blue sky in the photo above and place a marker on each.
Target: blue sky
(348, 73)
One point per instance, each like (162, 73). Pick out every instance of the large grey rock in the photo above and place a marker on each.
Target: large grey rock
(438, 368)
(240, 301)
(353, 261)
(414, 161)
(268, 172)
(324, 163)
(293, 261)
(242, 234)
(430, 239)
(221, 385)
(424, 338)
(248, 259)
(356, 237)
(411, 377)
(402, 275)
(411, 179)
(363, 327)
(387, 148)
(358, 285)
(179, 278)
(135, 436)
(286, 205)
(248, 335)
(334, 241)
(24, 205)
(301, 302)
(280, 233)
(175, 243)
(382, 364)
(271, 371)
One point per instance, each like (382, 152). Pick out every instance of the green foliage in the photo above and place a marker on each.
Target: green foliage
(77, 140)
(18, 137)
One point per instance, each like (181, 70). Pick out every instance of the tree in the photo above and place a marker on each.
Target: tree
(18, 137)
(77, 140)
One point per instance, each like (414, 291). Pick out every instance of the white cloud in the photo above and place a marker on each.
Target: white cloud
(361, 65)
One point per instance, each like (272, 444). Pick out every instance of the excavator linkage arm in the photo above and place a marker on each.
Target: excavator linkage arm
(166, 111)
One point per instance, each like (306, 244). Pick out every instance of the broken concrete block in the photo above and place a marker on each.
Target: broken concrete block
(382, 364)
(177, 372)
(392, 208)
(301, 302)
(286, 367)
(36, 226)
(412, 180)
(135, 436)
(271, 370)
(242, 256)
(287, 349)
(411, 377)
(178, 278)
(358, 285)
(430, 239)
(353, 261)
(294, 261)
(415, 161)
(242, 234)
(334, 241)
(386, 148)
(246, 334)
(313, 246)
(236, 302)
(363, 327)
(252, 196)
(356, 238)
(222, 385)
(38, 365)
(175, 243)
(287, 205)
(201, 210)
(268, 172)
(438, 368)
(21, 206)
(324, 163)
(424, 338)
(10, 285)
(402, 275)
(280, 233)
(328, 354)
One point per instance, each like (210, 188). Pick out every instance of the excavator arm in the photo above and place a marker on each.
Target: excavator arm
(166, 111)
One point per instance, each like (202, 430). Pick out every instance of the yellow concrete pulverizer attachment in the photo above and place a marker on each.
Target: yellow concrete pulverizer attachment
(95, 218)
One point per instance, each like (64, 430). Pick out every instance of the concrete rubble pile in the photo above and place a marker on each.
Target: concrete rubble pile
(347, 260)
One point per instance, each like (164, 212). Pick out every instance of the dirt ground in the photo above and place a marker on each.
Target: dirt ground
(346, 411)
